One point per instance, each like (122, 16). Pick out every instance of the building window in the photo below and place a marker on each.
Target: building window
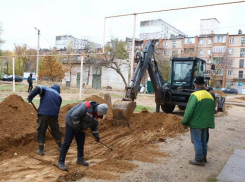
(230, 51)
(219, 49)
(173, 53)
(209, 52)
(241, 63)
(189, 40)
(240, 74)
(242, 52)
(201, 41)
(166, 44)
(128, 46)
(229, 72)
(243, 40)
(174, 44)
(201, 52)
(231, 40)
(209, 41)
(208, 71)
(219, 39)
(165, 52)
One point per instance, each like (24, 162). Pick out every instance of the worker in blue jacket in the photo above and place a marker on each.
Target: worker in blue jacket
(48, 113)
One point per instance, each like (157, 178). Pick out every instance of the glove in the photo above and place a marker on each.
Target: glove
(29, 100)
(96, 135)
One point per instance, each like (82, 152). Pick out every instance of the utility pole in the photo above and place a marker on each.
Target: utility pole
(38, 33)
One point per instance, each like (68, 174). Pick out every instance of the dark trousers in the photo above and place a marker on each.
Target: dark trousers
(69, 135)
(43, 123)
(30, 87)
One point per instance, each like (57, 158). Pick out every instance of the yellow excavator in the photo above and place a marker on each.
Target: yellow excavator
(176, 91)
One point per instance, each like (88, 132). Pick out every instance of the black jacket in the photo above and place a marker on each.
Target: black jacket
(82, 116)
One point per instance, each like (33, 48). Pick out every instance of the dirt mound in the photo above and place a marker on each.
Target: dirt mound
(63, 111)
(134, 143)
(17, 122)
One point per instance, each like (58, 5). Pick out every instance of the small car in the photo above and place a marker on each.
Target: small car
(10, 78)
(230, 91)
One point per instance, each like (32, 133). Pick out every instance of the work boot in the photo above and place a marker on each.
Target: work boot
(197, 162)
(80, 159)
(61, 161)
(40, 151)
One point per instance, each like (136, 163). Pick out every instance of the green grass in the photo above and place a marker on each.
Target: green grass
(117, 95)
(65, 102)
(140, 107)
(36, 102)
(18, 88)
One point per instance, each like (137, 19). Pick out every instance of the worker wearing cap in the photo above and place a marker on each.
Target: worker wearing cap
(78, 119)
(199, 116)
(29, 80)
(48, 113)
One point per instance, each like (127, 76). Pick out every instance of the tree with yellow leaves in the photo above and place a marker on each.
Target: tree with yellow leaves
(51, 68)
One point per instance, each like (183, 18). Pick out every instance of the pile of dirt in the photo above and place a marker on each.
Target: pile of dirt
(136, 142)
(63, 111)
(17, 123)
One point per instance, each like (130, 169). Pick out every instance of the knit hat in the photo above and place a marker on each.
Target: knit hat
(199, 80)
(102, 108)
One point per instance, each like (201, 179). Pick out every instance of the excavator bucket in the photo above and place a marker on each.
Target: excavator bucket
(122, 112)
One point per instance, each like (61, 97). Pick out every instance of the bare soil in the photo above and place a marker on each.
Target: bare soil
(156, 147)
(137, 143)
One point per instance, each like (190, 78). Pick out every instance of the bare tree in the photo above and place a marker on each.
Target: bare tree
(114, 50)
(223, 62)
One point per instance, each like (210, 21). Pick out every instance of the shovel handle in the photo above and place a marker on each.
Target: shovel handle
(97, 140)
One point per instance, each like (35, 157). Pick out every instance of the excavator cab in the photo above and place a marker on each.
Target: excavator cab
(184, 71)
(181, 82)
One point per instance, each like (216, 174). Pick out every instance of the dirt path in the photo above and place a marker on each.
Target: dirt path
(228, 135)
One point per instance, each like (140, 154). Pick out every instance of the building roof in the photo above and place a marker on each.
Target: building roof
(165, 23)
(210, 19)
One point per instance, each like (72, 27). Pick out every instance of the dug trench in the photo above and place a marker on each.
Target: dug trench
(137, 143)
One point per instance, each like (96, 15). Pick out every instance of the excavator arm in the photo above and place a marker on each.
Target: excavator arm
(122, 110)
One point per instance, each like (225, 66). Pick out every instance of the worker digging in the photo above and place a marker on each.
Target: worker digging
(48, 113)
(78, 119)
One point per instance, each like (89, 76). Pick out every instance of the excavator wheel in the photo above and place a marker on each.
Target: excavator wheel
(167, 108)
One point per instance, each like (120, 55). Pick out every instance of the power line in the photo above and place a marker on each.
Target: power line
(47, 41)
(175, 9)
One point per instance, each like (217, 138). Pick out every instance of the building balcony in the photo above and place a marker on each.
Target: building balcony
(236, 79)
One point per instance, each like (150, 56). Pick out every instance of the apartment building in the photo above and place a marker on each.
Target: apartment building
(63, 41)
(226, 52)
(158, 29)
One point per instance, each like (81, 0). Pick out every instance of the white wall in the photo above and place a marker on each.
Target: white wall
(111, 78)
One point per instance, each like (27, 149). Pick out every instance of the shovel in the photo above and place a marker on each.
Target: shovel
(98, 141)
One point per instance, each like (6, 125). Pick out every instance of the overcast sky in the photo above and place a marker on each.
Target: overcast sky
(85, 18)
